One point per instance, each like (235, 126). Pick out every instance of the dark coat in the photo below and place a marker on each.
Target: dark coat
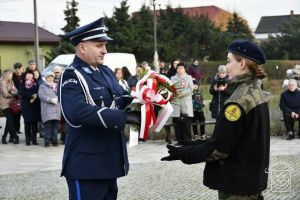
(31, 111)
(96, 146)
(219, 97)
(17, 79)
(196, 72)
(237, 155)
(132, 81)
(290, 102)
(172, 72)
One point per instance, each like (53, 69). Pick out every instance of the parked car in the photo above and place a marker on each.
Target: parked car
(112, 60)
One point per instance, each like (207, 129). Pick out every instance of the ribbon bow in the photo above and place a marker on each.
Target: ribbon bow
(148, 94)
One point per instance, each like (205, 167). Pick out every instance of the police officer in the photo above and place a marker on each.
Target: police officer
(92, 103)
(237, 155)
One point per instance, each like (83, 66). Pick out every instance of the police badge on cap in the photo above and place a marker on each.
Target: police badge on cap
(93, 31)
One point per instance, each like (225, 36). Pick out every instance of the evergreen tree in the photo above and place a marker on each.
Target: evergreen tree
(120, 29)
(285, 45)
(272, 49)
(237, 28)
(289, 38)
(70, 17)
(173, 34)
(65, 46)
(206, 40)
(142, 23)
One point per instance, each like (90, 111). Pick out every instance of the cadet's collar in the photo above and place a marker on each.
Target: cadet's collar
(233, 83)
(243, 78)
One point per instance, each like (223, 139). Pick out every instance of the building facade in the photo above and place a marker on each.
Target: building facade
(17, 43)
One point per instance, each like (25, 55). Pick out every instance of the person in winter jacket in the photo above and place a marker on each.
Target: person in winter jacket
(290, 106)
(50, 109)
(218, 89)
(7, 94)
(182, 104)
(30, 107)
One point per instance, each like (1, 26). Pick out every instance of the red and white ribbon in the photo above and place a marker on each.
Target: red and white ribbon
(147, 94)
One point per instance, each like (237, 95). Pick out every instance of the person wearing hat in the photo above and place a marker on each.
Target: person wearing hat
(50, 109)
(92, 102)
(218, 89)
(237, 155)
(31, 66)
(57, 70)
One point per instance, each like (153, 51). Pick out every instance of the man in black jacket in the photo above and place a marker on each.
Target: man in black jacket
(17, 77)
(290, 106)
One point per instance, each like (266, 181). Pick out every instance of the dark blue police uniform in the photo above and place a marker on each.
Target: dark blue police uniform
(95, 150)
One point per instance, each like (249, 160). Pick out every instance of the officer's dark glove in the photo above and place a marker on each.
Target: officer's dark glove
(133, 117)
(173, 153)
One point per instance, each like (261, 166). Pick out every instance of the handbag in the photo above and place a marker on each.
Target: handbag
(16, 106)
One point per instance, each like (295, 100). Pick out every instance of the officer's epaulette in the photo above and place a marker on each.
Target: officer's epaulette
(70, 67)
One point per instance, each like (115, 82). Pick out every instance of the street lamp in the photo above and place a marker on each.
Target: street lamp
(155, 60)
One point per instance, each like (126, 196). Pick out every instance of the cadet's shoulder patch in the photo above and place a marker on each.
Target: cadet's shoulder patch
(232, 112)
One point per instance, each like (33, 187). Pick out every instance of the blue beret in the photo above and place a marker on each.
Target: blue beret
(92, 31)
(248, 49)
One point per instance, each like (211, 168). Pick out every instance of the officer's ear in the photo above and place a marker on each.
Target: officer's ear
(81, 47)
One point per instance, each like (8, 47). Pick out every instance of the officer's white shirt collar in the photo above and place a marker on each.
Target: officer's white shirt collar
(95, 68)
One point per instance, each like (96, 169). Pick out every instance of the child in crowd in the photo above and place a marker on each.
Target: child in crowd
(198, 113)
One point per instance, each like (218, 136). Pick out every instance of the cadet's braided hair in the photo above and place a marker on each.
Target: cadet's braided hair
(253, 66)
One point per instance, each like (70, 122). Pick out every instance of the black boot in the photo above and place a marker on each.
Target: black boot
(28, 142)
(16, 141)
(11, 140)
(290, 135)
(27, 138)
(34, 142)
(4, 140)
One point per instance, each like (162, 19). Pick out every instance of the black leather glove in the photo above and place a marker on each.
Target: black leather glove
(193, 143)
(133, 117)
(173, 153)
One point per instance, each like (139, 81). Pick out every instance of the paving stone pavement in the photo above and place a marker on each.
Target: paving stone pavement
(32, 173)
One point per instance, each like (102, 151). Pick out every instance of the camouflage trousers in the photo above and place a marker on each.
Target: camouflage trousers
(228, 196)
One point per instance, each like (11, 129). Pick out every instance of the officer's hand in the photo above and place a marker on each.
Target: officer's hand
(133, 117)
(173, 153)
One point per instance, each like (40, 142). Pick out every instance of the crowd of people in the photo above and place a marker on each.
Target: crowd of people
(188, 104)
(41, 108)
(24, 92)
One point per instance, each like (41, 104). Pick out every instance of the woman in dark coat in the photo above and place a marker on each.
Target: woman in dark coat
(172, 71)
(218, 89)
(30, 106)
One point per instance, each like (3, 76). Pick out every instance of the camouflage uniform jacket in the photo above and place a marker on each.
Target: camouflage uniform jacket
(237, 156)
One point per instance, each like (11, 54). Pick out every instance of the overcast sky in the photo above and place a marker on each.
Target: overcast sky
(51, 16)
